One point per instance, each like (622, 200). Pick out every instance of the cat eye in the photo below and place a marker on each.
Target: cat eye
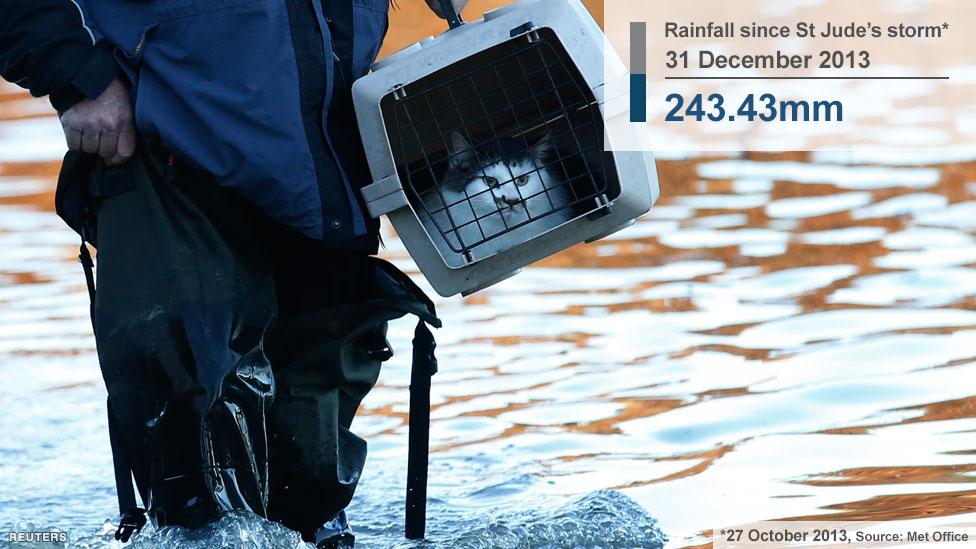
(491, 181)
(522, 180)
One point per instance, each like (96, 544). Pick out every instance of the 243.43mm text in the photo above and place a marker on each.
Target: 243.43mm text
(764, 108)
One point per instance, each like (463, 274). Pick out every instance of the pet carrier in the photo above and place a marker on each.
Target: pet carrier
(486, 144)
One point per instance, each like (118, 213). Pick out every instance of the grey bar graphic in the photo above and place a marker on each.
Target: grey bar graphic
(638, 47)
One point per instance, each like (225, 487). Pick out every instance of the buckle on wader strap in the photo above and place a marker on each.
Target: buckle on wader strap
(132, 522)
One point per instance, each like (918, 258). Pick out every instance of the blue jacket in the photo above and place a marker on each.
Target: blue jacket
(256, 92)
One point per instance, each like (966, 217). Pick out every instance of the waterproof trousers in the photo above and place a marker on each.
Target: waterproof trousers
(235, 351)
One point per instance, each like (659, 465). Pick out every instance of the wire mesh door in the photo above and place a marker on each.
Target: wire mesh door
(500, 147)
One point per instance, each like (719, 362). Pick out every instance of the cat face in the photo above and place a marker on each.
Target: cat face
(495, 196)
(503, 178)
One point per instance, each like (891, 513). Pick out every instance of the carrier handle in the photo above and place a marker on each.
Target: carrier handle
(451, 14)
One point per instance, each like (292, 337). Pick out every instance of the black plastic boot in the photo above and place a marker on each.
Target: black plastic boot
(335, 534)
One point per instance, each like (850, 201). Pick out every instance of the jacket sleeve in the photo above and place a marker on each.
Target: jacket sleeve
(47, 47)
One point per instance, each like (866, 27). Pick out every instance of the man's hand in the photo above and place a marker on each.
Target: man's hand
(435, 6)
(103, 126)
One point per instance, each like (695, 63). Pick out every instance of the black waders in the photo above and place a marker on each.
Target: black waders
(235, 351)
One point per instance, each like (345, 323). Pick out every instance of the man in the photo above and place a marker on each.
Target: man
(215, 162)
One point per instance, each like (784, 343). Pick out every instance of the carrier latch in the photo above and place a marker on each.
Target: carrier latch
(521, 29)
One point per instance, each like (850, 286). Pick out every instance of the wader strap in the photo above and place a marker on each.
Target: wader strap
(132, 517)
(423, 368)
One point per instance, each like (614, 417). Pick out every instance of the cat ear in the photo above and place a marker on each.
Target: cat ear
(542, 147)
(460, 153)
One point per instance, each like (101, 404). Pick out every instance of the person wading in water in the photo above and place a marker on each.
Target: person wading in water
(240, 318)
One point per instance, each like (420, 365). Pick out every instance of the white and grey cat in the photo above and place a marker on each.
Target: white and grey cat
(489, 190)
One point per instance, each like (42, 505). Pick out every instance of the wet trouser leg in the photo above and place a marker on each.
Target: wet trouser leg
(185, 297)
(327, 354)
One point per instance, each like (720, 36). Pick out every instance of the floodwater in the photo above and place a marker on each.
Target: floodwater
(783, 336)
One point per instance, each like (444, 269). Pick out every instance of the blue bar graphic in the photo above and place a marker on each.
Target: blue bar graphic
(638, 71)
(638, 98)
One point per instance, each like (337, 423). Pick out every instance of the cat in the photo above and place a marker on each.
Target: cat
(502, 192)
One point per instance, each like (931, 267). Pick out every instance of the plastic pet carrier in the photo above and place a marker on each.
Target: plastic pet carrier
(486, 144)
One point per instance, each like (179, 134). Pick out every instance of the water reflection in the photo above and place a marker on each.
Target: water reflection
(783, 336)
